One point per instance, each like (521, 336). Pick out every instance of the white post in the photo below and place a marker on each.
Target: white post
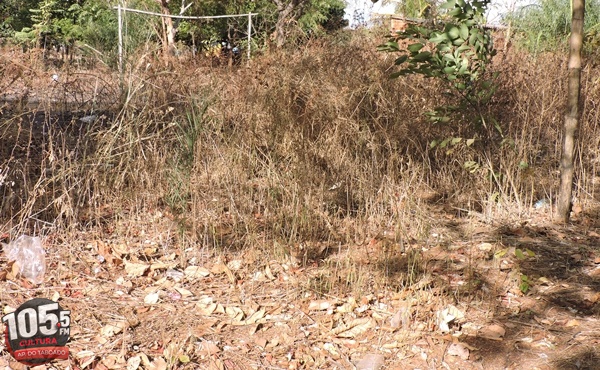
(249, 34)
(120, 21)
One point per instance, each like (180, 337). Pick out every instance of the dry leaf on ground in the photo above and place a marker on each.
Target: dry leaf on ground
(371, 361)
(354, 328)
(493, 332)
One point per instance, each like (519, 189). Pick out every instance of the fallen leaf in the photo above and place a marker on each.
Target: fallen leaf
(332, 349)
(209, 348)
(151, 298)
(353, 328)
(184, 292)
(572, 323)
(158, 364)
(235, 264)
(133, 363)
(493, 332)
(196, 271)
(135, 269)
(261, 342)
(320, 305)
(235, 313)
(401, 318)
(459, 350)
(371, 361)
(485, 247)
(252, 319)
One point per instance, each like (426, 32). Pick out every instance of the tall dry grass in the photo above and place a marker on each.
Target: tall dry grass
(300, 152)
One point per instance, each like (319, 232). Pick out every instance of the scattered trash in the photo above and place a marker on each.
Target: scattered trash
(89, 119)
(449, 316)
(542, 203)
(29, 255)
(175, 274)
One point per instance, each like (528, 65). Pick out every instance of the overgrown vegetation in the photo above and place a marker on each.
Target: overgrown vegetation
(310, 146)
(546, 24)
(458, 54)
(307, 172)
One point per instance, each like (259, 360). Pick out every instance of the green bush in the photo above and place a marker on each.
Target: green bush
(546, 24)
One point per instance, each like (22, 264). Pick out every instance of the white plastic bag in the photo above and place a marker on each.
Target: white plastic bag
(28, 253)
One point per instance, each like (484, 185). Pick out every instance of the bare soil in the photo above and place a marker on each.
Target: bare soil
(135, 295)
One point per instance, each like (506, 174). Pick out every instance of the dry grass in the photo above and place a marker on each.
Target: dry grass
(309, 157)
(311, 145)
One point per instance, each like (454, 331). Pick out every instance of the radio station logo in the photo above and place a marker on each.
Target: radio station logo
(38, 332)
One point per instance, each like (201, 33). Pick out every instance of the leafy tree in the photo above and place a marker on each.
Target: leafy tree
(456, 53)
(309, 15)
(15, 15)
(417, 8)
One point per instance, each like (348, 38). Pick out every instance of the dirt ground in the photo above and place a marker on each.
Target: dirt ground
(136, 297)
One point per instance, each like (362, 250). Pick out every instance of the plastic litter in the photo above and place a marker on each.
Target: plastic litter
(542, 203)
(175, 275)
(29, 255)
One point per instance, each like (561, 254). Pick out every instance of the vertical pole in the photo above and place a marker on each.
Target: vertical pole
(249, 34)
(120, 21)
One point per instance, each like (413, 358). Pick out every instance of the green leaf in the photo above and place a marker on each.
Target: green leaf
(448, 5)
(524, 287)
(433, 144)
(445, 142)
(501, 253)
(390, 46)
(438, 38)
(464, 31)
(470, 142)
(453, 33)
(519, 254)
(529, 252)
(456, 140)
(458, 42)
(423, 56)
(449, 70)
(413, 48)
(401, 60)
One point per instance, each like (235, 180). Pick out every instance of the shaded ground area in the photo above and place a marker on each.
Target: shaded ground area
(455, 301)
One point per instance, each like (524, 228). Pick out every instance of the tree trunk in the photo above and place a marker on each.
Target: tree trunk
(572, 114)
(170, 30)
(287, 11)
